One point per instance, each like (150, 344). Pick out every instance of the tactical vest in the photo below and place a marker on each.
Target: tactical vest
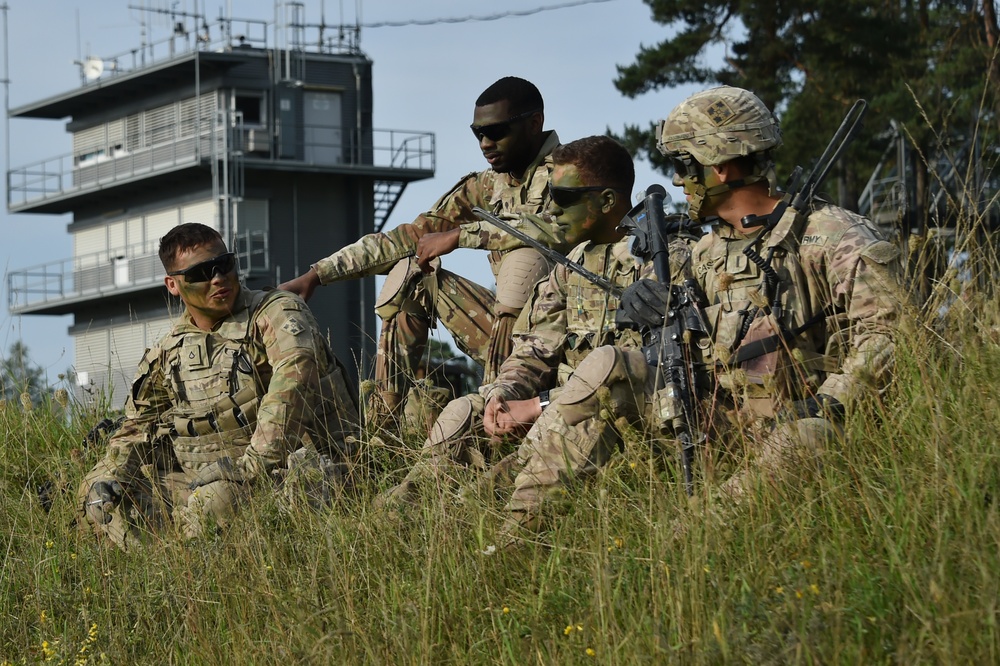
(590, 311)
(510, 201)
(215, 381)
(766, 381)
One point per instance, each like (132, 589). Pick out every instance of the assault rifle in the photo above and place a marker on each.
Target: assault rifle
(548, 252)
(666, 347)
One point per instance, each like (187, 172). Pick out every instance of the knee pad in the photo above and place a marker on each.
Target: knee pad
(519, 270)
(399, 292)
(455, 419)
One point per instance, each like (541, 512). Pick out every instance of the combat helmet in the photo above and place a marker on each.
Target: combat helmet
(718, 125)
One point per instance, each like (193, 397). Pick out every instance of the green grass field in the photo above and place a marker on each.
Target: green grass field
(889, 556)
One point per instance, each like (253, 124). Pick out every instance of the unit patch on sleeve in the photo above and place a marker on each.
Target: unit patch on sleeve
(292, 326)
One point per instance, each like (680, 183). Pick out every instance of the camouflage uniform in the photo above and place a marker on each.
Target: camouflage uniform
(262, 384)
(480, 320)
(827, 337)
(841, 268)
(567, 317)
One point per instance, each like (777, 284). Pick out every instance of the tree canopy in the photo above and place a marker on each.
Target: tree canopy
(19, 375)
(929, 65)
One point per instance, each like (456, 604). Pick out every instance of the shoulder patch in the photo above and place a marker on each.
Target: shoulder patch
(292, 326)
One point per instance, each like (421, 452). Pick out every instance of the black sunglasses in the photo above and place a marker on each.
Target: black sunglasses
(497, 131)
(564, 197)
(206, 270)
(685, 166)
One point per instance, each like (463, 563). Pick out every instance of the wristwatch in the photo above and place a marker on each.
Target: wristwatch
(543, 399)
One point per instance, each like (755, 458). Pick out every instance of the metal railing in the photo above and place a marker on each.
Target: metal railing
(100, 274)
(69, 174)
(194, 33)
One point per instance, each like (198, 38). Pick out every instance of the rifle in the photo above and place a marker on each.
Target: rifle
(667, 347)
(548, 252)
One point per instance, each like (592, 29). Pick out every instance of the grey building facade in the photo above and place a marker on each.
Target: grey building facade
(253, 128)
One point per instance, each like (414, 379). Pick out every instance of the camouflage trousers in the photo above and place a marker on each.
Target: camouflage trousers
(456, 450)
(410, 304)
(159, 501)
(611, 391)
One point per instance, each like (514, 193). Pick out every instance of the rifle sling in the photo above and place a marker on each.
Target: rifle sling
(771, 343)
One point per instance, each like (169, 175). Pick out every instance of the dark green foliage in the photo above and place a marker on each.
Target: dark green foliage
(923, 63)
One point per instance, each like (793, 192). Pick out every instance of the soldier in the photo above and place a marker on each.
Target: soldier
(788, 364)
(507, 123)
(566, 317)
(239, 383)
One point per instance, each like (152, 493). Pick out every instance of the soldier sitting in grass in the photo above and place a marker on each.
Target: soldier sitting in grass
(566, 317)
(243, 388)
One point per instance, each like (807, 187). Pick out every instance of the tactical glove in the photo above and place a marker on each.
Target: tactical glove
(818, 406)
(102, 497)
(223, 469)
(645, 301)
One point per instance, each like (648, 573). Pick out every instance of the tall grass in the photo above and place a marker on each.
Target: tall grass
(890, 555)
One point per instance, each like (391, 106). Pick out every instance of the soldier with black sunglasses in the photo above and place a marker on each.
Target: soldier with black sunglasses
(242, 392)
(508, 125)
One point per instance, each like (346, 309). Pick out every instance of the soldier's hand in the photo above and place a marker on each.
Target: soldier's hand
(510, 417)
(223, 469)
(817, 406)
(645, 301)
(304, 285)
(102, 497)
(494, 407)
(432, 246)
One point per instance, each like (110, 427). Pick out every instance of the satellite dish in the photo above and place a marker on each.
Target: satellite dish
(93, 67)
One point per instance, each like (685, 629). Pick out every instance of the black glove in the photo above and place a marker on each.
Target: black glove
(818, 406)
(645, 302)
(102, 497)
(223, 469)
(104, 429)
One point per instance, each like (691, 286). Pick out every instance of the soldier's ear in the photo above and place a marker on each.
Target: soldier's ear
(537, 122)
(171, 285)
(609, 199)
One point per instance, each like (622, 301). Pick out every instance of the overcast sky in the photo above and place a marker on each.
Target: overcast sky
(425, 77)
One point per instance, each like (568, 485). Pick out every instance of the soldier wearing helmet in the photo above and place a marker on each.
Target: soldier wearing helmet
(795, 341)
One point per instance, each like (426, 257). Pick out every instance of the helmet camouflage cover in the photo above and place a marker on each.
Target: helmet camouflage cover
(718, 125)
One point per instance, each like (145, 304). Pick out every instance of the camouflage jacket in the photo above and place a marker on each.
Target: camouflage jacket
(504, 194)
(839, 280)
(262, 383)
(568, 316)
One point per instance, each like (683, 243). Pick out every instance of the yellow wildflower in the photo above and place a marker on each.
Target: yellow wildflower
(506, 610)
(814, 588)
(568, 630)
(590, 652)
